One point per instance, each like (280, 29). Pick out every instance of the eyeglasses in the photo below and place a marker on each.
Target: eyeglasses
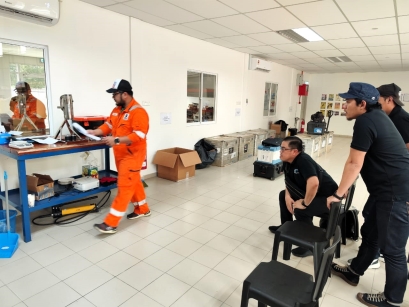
(284, 149)
(114, 94)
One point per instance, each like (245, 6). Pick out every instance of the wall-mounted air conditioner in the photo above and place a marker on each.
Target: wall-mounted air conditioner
(43, 12)
(259, 64)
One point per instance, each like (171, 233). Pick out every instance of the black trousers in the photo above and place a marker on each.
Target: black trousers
(318, 207)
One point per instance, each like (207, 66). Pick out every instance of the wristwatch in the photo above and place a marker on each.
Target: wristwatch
(337, 197)
(116, 141)
(303, 203)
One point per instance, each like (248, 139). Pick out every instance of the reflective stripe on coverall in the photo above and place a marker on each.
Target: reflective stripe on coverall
(132, 122)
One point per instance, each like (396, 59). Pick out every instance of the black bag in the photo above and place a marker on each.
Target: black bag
(207, 153)
(267, 170)
(352, 224)
(272, 142)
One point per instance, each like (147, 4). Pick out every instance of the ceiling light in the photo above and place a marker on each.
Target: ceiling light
(338, 59)
(308, 34)
(23, 49)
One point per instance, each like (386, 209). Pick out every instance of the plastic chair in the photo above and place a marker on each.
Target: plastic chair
(276, 284)
(307, 236)
(342, 217)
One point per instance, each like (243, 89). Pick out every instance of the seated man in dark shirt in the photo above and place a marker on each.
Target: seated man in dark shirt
(307, 186)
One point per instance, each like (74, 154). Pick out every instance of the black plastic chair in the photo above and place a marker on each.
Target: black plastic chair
(276, 284)
(307, 236)
(342, 217)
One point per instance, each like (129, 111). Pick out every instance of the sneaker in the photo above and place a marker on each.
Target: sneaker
(345, 274)
(133, 215)
(374, 265)
(374, 300)
(301, 252)
(104, 228)
(273, 229)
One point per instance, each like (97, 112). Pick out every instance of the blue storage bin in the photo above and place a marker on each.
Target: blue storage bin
(4, 138)
(3, 222)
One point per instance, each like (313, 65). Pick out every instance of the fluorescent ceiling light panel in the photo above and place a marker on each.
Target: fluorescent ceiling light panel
(308, 34)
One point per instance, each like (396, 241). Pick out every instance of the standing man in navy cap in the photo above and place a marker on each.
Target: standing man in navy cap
(392, 106)
(379, 154)
(125, 130)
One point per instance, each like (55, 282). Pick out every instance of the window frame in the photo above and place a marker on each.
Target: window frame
(201, 122)
(276, 99)
(50, 116)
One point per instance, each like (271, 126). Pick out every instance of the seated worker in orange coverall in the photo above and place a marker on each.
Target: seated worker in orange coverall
(35, 109)
(128, 126)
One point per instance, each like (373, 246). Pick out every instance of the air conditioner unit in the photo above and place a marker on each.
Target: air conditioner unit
(259, 64)
(43, 12)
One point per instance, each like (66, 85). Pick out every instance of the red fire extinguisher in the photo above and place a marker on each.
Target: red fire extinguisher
(302, 126)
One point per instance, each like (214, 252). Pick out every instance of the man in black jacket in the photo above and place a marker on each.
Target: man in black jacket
(380, 155)
(307, 187)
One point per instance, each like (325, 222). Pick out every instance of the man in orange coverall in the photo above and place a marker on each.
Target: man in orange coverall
(35, 109)
(128, 126)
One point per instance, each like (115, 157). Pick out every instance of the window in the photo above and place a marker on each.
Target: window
(28, 63)
(201, 97)
(270, 99)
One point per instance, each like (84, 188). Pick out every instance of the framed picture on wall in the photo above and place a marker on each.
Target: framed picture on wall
(337, 97)
(331, 97)
(329, 105)
(322, 111)
(323, 96)
(343, 114)
(337, 106)
(323, 104)
(336, 113)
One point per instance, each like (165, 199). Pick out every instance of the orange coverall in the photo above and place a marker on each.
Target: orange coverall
(35, 110)
(132, 122)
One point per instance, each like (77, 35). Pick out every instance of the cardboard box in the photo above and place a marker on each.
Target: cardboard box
(176, 163)
(276, 128)
(41, 185)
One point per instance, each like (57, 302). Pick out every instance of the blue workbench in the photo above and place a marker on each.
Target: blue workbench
(18, 197)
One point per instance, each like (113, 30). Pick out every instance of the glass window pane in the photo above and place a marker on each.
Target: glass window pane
(24, 64)
(273, 99)
(267, 90)
(208, 97)
(193, 97)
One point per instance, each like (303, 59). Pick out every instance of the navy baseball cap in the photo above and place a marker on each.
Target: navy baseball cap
(120, 85)
(362, 91)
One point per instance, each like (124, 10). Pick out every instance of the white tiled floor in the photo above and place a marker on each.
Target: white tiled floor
(204, 236)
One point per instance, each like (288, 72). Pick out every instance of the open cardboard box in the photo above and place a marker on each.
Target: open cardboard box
(41, 185)
(176, 163)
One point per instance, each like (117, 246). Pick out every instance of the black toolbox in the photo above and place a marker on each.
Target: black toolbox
(268, 170)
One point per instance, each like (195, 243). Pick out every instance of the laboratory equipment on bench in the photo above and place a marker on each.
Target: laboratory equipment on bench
(85, 183)
(330, 113)
(20, 145)
(66, 105)
(317, 124)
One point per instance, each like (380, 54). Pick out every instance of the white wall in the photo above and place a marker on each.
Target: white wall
(90, 47)
(339, 83)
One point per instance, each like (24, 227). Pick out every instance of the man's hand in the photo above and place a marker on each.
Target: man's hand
(289, 203)
(298, 205)
(330, 200)
(109, 140)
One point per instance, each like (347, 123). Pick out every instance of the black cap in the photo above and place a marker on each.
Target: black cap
(393, 90)
(120, 85)
(362, 91)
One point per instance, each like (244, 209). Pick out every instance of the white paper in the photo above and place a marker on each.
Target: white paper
(165, 118)
(16, 132)
(47, 141)
(81, 130)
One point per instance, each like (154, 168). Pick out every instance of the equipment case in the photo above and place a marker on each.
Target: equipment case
(268, 170)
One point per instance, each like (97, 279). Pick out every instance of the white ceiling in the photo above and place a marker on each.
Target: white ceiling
(374, 34)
